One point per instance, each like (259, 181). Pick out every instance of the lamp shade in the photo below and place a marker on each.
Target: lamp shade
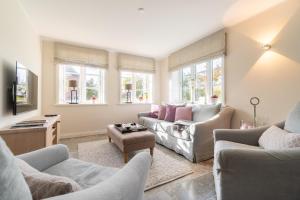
(128, 86)
(72, 83)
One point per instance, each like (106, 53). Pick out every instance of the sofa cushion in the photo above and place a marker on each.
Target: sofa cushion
(170, 113)
(292, 123)
(12, 182)
(204, 112)
(43, 185)
(149, 122)
(183, 113)
(84, 173)
(275, 138)
(162, 126)
(224, 145)
(162, 112)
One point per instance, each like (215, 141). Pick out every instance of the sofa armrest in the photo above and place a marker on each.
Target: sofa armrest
(202, 133)
(247, 136)
(44, 158)
(127, 184)
(144, 114)
(258, 174)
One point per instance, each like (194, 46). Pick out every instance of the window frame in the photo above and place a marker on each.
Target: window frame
(151, 88)
(209, 73)
(82, 83)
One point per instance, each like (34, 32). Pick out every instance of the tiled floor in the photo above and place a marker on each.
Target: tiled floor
(195, 186)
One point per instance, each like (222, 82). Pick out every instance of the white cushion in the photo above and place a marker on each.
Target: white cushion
(276, 138)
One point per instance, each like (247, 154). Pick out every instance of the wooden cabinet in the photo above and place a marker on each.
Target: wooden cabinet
(23, 140)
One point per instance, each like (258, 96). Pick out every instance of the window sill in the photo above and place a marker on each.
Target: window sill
(134, 103)
(81, 105)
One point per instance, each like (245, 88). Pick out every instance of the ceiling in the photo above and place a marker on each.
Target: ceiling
(117, 25)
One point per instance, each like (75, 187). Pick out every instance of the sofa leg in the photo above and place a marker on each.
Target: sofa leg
(151, 151)
(125, 157)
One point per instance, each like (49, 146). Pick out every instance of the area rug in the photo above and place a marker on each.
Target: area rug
(165, 168)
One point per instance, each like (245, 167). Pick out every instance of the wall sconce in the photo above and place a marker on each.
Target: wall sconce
(266, 47)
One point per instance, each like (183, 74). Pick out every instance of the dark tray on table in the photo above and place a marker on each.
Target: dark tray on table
(129, 128)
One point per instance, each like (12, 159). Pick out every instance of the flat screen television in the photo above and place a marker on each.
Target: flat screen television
(25, 90)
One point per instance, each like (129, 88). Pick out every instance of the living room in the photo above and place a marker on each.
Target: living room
(163, 100)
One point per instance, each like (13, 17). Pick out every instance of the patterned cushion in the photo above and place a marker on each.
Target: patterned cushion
(12, 183)
(275, 138)
(43, 185)
(292, 123)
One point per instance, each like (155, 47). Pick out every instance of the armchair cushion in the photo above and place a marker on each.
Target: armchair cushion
(12, 182)
(84, 173)
(225, 145)
(292, 123)
(43, 185)
(277, 138)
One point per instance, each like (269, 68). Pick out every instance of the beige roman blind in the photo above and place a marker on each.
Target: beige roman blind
(81, 55)
(212, 45)
(135, 63)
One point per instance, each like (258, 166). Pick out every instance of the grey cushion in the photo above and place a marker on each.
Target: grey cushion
(204, 112)
(224, 145)
(292, 123)
(12, 182)
(84, 173)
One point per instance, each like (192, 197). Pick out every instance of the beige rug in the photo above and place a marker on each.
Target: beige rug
(165, 167)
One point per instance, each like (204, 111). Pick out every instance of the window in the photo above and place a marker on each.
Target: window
(141, 86)
(90, 83)
(198, 82)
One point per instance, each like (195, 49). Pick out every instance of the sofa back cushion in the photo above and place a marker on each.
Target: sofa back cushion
(292, 123)
(275, 138)
(12, 182)
(183, 113)
(204, 112)
(44, 185)
(162, 112)
(170, 113)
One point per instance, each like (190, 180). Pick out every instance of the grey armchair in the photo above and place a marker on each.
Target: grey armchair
(245, 171)
(106, 184)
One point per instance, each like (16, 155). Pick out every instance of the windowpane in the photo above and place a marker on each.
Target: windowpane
(217, 78)
(201, 91)
(141, 87)
(187, 84)
(198, 82)
(90, 83)
(71, 72)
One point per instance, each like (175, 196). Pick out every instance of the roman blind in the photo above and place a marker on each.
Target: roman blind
(212, 45)
(81, 55)
(136, 63)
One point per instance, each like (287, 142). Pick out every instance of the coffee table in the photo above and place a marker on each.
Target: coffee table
(130, 142)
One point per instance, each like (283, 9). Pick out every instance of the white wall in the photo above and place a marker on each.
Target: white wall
(89, 119)
(18, 41)
(273, 76)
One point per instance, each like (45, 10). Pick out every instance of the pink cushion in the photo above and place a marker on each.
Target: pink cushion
(170, 113)
(162, 112)
(183, 113)
(154, 111)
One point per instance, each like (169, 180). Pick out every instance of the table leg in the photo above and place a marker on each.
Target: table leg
(109, 139)
(125, 157)
(151, 151)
